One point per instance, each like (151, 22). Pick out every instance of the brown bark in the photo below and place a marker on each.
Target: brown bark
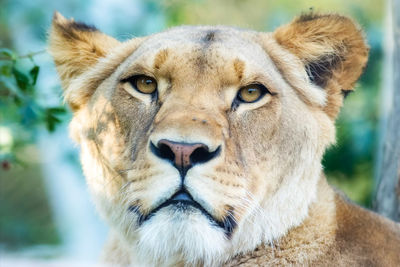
(387, 200)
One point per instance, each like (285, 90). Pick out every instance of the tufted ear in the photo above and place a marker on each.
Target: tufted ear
(76, 47)
(332, 49)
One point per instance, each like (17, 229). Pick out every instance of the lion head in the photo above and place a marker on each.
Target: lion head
(200, 142)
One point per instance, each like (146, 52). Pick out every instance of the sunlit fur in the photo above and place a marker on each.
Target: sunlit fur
(268, 176)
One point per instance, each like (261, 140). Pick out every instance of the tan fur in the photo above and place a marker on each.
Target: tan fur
(74, 51)
(313, 36)
(336, 233)
(267, 179)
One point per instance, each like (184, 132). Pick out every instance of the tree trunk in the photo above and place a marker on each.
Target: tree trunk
(387, 201)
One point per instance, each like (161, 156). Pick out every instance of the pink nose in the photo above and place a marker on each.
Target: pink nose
(182, 151)
(183, 155)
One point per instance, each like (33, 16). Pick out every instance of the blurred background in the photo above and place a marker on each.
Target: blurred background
(45, 210)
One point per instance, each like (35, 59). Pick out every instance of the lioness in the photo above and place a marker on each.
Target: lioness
(202, 145)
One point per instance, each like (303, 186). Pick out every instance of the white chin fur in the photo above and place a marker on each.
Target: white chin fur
(180, 236)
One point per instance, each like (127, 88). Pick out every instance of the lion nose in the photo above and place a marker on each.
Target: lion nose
(183, 155)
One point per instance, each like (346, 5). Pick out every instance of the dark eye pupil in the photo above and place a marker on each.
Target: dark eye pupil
(251, 90)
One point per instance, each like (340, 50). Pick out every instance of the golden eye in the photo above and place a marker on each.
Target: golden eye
(144, 84)
(251, 93)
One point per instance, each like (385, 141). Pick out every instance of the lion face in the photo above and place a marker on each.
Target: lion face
(200, 142)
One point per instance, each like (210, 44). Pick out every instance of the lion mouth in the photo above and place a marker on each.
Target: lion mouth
(182, 200)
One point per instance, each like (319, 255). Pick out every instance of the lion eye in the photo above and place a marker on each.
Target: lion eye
(143, 84)
(251, 93)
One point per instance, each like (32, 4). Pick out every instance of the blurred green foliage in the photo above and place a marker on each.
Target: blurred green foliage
(20, 111)
(25, 214)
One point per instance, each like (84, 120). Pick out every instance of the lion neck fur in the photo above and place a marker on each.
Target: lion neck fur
(302, 244)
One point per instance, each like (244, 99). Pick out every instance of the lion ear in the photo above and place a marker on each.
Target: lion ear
(76, 47)
(330, 46)
(332, 49)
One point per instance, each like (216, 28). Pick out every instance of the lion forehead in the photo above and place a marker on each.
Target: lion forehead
(191, 41)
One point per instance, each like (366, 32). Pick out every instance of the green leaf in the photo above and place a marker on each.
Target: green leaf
(21, 78)
(7, 53)
(51, 119)
(6, 68)
(57, 110)
(51, 122)
(34, 72)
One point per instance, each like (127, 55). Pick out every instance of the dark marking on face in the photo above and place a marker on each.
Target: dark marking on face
(146, 127)
(94, 133)
(209, 37)
(201, 62)
(229, 222)
(203, 56)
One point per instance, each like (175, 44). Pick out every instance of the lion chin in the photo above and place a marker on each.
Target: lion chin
(181, 227)
(181, 234)
(202, 145)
